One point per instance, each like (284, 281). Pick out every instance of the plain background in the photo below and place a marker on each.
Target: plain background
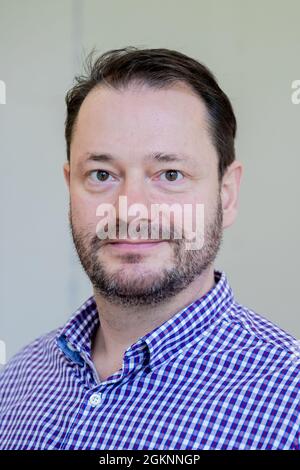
(253, 48)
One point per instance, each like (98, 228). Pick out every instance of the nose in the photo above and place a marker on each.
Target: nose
(135, 191)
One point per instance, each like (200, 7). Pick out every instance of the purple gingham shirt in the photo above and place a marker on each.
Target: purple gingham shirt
(215, 376)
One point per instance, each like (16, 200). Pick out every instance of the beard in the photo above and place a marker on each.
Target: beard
(147, 288)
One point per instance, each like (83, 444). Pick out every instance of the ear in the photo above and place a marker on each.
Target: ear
(66, 169)
(230, 188)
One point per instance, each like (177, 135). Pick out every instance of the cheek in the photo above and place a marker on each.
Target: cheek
(201, 209)
(83, 211)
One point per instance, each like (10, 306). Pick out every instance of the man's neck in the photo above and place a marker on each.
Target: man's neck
(123, 326)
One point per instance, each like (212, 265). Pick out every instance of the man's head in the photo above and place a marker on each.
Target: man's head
(152, 125)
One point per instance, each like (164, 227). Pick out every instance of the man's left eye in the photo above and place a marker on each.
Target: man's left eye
(172, 175)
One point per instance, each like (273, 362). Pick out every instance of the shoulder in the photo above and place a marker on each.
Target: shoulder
(264, 332)
(28, 361)
(262, 351)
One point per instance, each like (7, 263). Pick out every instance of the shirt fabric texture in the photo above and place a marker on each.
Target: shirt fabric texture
(214, 376)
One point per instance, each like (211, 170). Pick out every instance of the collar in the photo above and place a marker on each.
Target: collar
(157, 346)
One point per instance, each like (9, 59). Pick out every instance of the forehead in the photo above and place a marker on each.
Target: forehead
(141, 119)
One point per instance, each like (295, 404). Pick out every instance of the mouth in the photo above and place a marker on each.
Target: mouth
(135, 246)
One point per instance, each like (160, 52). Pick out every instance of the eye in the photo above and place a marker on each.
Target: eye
(99, 175)
(172, 175)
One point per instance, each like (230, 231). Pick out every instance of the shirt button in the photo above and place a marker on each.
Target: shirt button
(95, 399)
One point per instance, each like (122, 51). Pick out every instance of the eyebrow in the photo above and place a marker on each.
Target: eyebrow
(155, 156)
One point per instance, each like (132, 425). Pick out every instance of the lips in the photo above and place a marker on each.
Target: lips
(133, 242)
(134, 245)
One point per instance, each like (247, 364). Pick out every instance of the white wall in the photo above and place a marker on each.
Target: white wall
(252, 47)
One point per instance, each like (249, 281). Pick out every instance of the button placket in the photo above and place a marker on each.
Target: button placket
(95, 399)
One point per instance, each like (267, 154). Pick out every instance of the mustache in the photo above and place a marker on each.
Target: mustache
(144, 230)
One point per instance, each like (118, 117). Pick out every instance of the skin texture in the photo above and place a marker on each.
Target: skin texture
(138, 290)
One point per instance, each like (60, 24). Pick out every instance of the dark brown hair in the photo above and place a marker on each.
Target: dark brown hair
(158, 68)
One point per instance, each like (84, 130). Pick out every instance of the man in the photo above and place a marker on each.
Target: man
(161, 356)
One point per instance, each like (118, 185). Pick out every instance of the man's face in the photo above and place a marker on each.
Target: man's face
(131, 125)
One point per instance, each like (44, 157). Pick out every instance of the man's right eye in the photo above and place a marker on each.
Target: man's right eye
(99, 175)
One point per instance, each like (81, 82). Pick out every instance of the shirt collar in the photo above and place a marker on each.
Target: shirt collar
(158, 345)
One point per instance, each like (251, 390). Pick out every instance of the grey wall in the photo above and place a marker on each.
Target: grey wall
(252, 47)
